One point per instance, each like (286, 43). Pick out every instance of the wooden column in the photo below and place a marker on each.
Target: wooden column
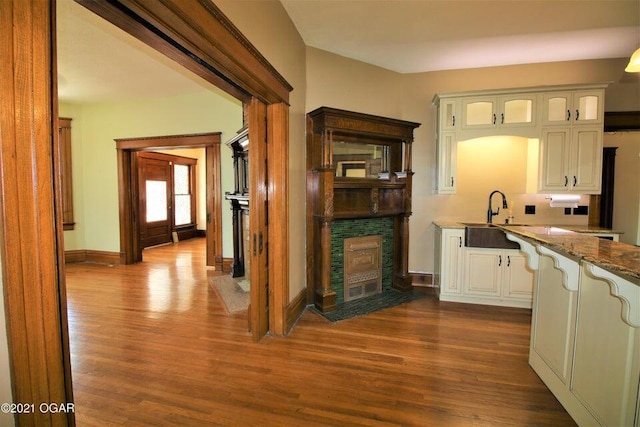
(325, 296)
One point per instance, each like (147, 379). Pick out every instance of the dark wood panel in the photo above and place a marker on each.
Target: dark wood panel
(157, 353)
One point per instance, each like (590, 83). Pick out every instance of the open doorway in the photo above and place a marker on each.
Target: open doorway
(131, 228)
(34, 288)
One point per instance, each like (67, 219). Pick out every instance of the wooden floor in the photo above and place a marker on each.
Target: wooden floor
(152, 345)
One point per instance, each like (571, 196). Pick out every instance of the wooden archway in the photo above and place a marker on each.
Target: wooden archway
(198, 36)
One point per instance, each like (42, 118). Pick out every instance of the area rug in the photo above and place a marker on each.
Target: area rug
(234, 293)
(370, 304)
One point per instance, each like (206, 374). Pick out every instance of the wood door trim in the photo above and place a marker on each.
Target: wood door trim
(130, 248)
(197, 35)
(30, 194)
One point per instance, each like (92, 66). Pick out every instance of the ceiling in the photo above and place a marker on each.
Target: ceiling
(99, 62)
(412, 36)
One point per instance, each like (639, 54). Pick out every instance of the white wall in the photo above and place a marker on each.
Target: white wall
(95, 175)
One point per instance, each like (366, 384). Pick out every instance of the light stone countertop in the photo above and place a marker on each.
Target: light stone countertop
(618, 258)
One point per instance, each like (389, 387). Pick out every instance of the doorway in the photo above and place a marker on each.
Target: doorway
(128, 194)
(34, 288)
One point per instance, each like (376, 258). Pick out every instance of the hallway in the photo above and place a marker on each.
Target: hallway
(152, 344)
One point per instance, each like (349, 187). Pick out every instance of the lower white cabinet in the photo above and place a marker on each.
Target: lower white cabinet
(478, 275)
(448, 263)
(499, 274)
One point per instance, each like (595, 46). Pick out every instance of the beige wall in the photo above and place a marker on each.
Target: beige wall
(339, 82)
(268, 27)
(626, 197)
(95, 172)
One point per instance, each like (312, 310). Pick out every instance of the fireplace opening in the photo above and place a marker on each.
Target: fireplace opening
(362, 267)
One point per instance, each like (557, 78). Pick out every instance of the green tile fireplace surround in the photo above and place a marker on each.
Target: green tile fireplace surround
(348, 228)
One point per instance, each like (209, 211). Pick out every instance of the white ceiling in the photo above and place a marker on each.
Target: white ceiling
(98, 62)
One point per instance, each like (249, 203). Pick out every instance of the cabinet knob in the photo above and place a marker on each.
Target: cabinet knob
(575, 180)
(501, 118)
(566, 180)
(499, 260)
(508, 261)
(577, 115)
(568, 115)
(453, 120)
(494, 118)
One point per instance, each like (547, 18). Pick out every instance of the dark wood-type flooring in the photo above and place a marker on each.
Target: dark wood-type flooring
(152, 345)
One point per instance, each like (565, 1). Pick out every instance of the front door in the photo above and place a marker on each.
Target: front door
(154, 178)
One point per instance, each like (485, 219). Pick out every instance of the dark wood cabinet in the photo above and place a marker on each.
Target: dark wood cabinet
(358, 169)
(239, 199)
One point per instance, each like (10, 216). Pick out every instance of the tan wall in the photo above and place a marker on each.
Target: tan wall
(343, 83)
(268, 27)
(626, 194)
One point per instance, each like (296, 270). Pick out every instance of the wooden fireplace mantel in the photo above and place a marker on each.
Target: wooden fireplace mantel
(358, 167)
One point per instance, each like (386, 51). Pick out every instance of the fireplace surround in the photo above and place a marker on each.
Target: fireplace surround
(374, 201)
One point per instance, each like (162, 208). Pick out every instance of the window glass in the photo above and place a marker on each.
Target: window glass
(156, 201)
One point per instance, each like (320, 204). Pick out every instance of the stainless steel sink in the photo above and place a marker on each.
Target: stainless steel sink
(484, 235)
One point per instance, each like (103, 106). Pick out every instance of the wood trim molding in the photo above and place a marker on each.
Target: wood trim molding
(294, 310)
(30, 194)
(197, 35)
(278, 172)
(92, 256)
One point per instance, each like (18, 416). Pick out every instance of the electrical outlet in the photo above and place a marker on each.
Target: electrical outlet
(581, 210)
(567, 211)
(529, 209)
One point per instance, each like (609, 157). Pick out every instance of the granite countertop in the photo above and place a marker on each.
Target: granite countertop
(618, 258)
(587, 229)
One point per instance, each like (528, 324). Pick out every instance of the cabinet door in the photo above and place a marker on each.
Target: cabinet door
(554, 160)
(447, 148)
(451, 261)
(517, 279)
(586, 158)
(556, 108)
(482, 271)
(479, 112)
(517, 111)
(448, 111)
(588, 107)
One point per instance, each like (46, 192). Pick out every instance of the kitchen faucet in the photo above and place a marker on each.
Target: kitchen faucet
(491, 213)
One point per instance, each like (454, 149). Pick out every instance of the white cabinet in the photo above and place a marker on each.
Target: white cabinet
(447, 150)
(571, 160)
(573, 108)
(487, 112)
(448, 114)
(448, 262)
(567, 120)
(497, 273)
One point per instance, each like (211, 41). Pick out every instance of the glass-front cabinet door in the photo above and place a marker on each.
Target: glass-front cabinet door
(563, 108)
(500, 111)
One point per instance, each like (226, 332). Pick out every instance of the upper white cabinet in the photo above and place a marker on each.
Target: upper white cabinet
(573, 108)
(571, 160)
(567, 120)
(490, 112)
